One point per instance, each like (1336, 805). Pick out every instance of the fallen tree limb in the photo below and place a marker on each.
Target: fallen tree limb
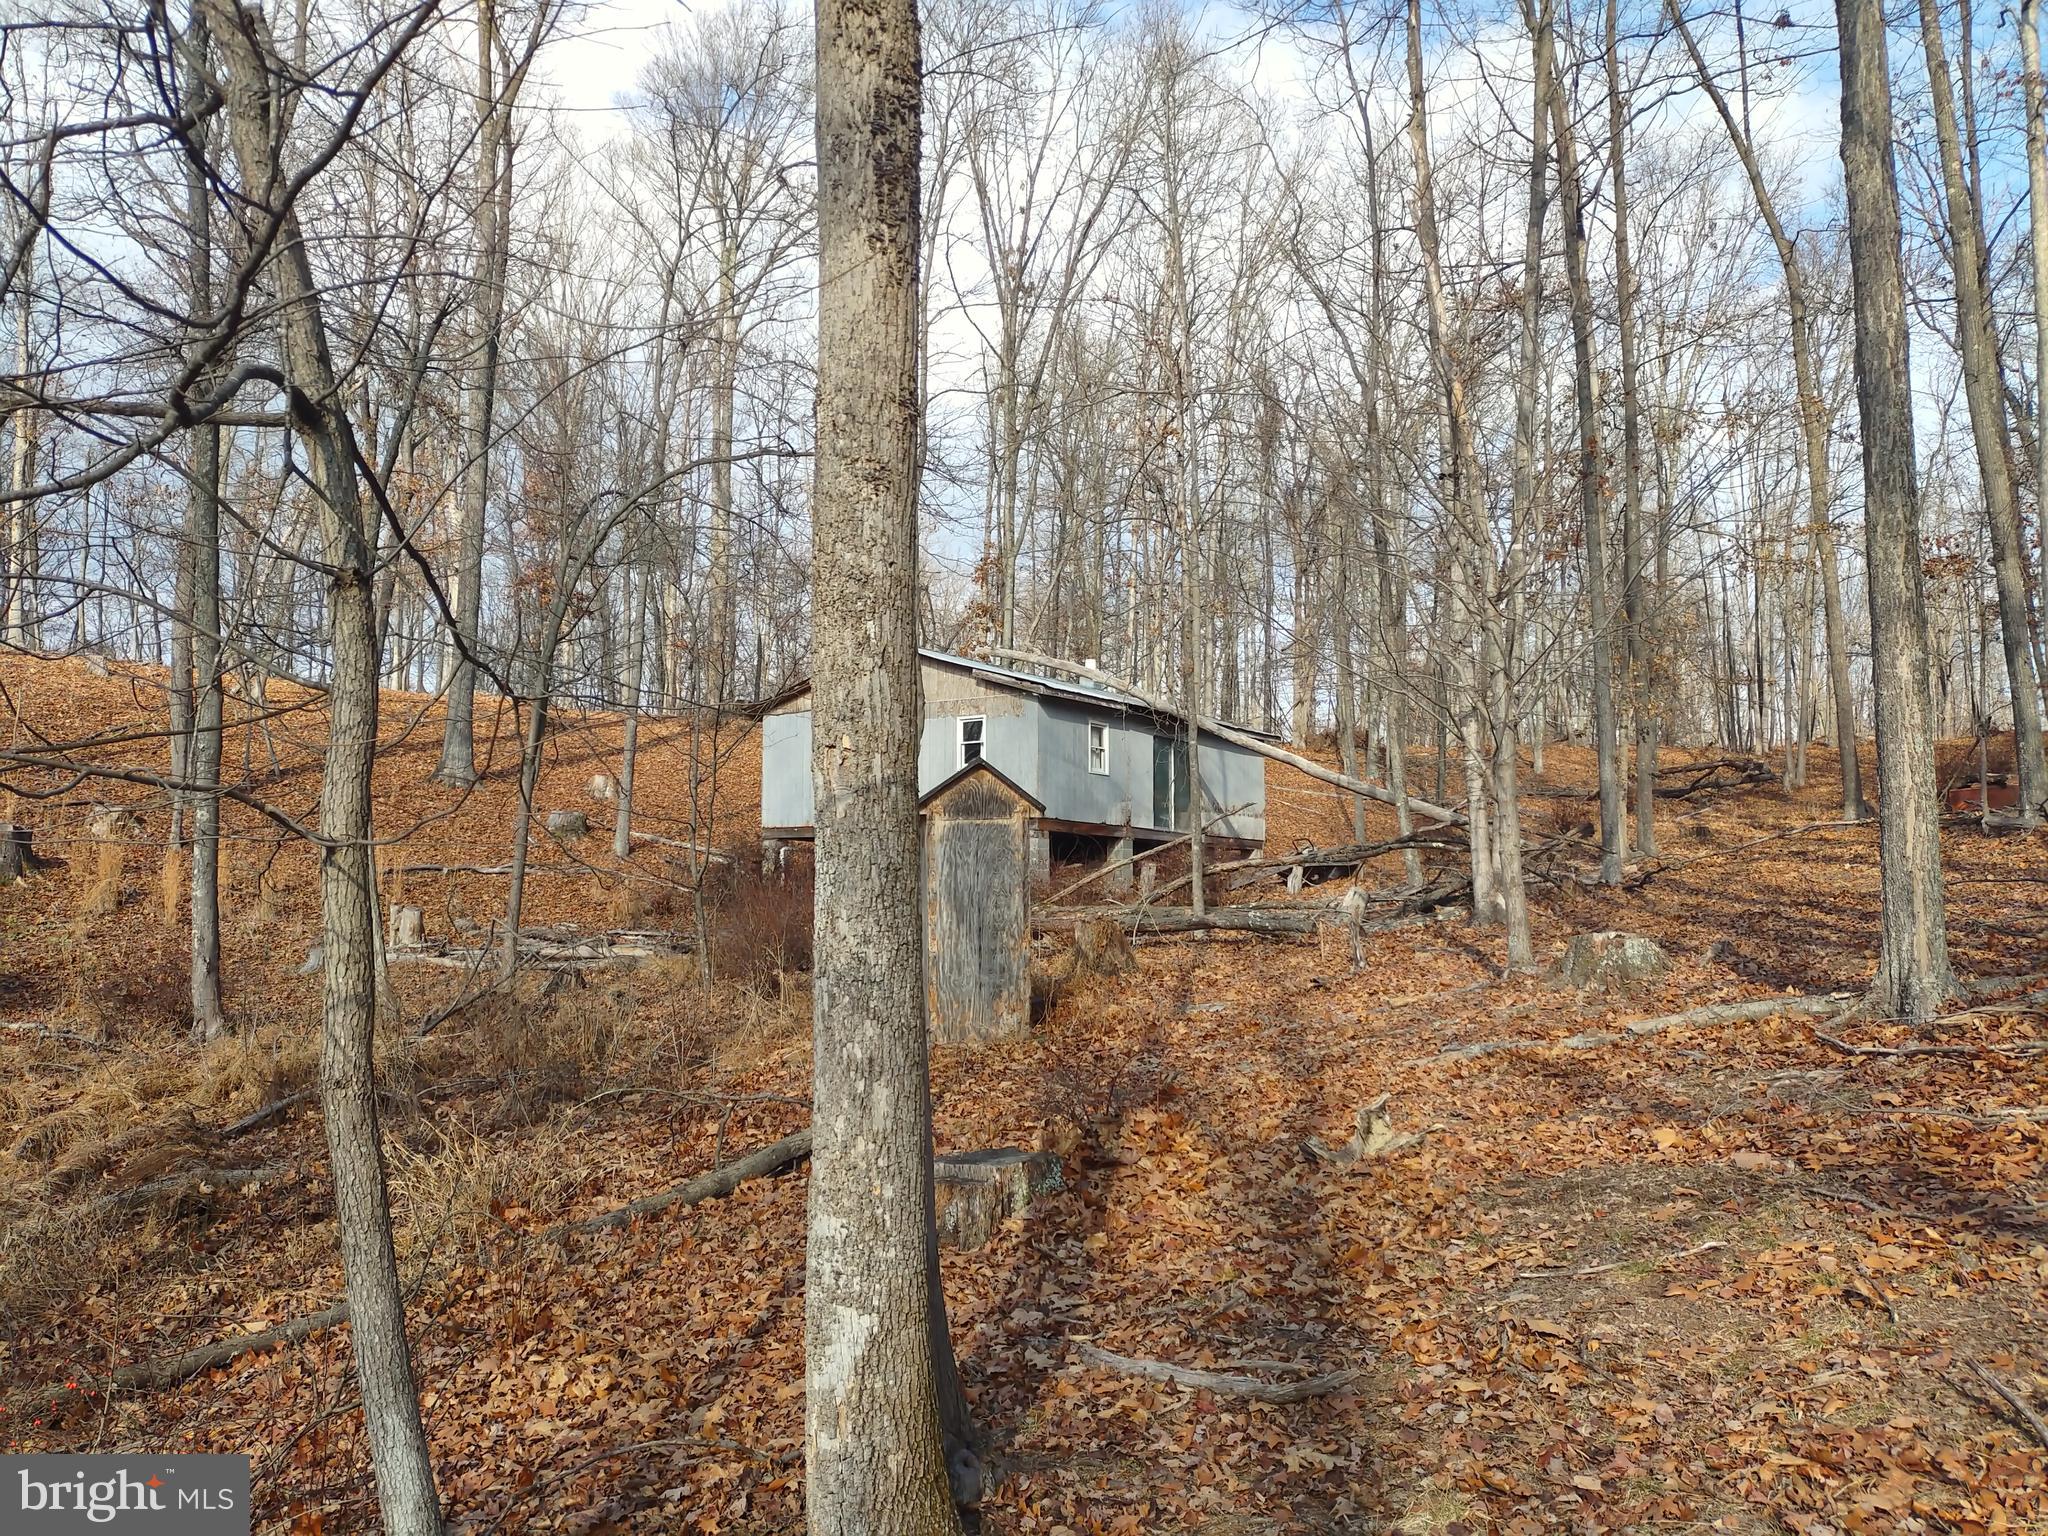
(1274, 922)
(2018, 1405)
(2010, 1048)
(1142, 855)
(172, 1369)
(715, 1185)
(178, 1185)
(1222, 732)
(1219, 1381)
(50, 1032)
(1602, 1269)
(256, 1119)
(1329, 860)
(1824, 1005)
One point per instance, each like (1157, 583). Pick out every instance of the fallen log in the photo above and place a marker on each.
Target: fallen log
(176, 1186)
(1274, 922)
(256, 1119)
(1220, 1382)
(1823, 1005)
(1132, 860)
(1328, 861)
(1742, 771)
(715, 1185)
(173, 1369)
(51, 1032)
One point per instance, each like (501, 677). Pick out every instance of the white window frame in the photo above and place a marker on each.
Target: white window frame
(980, 740)
(1098, 741)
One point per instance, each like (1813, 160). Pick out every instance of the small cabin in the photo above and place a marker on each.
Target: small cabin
(1108, 772)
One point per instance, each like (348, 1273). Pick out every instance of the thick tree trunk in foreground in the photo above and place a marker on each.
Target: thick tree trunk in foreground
(1913, 975)
(872, 1434)
(391, 1416)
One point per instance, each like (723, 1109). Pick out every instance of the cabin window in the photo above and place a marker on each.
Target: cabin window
(1098, 747)
(972, 728)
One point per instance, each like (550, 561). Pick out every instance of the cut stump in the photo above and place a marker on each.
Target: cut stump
(1609, 960)
(979, 1191)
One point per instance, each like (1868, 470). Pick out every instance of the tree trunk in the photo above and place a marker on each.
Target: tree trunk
(724, 386)
(1913, 975)
(17, 521)
(1466, 496)
(2037, 226)
(1592, 495)
(479, 398)
(203, 616)
(629, 753)
(397, 1440)
(1978, 344)
(873, 1444)
(1633, 593)
(1813, 426)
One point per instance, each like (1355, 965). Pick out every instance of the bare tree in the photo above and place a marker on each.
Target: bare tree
(872, 1429)
(1913, 975)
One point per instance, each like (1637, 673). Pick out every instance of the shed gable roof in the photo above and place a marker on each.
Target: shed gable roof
(980, 766)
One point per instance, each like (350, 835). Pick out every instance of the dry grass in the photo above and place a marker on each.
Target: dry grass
(102, 897)
(171, 885)
(465, 1184)
(757, 1029)
(50, 1255)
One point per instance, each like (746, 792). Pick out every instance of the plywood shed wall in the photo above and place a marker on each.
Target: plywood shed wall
(977, 904)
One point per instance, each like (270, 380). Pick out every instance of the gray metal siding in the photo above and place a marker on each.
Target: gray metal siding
(1039, 741)
(786, 769)
(1069, 790)
(1233, 776)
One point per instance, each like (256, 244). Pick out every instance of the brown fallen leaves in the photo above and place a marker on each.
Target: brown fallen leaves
(1712, 1280)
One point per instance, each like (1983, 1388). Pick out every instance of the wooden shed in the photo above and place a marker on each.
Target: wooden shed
(977, 905)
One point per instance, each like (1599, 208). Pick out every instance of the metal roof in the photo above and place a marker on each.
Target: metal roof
(1089, 691)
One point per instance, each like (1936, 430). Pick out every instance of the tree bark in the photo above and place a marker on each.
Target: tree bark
(1978, 344)
(1913, 975)
(1465, 499)
(2037, 226)
(1633, 591)
(1592, 495)
(391, 1416)
(1813, 425)
(872, 1428)
(493, 184)
(202, 553)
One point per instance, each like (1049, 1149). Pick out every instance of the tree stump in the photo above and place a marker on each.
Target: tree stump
(1102, 948)
(17, 858)
(1609, 959)
(979, 1191)
(568, 824)
(408, 927)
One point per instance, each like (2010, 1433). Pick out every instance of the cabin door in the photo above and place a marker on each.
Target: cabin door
(1169, 782)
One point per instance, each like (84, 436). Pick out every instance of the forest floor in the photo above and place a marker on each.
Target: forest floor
(1729, 1278)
